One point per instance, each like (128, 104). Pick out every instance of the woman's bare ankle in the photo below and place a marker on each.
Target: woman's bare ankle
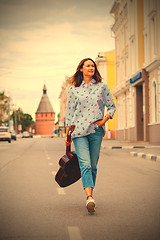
(89, 197)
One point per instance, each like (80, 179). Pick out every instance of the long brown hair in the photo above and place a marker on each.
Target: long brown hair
(77, 78)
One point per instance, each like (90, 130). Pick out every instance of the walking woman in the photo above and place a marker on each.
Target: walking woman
(87, 98)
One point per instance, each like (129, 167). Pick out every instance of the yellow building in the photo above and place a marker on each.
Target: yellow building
(106, 66)
(137, 59)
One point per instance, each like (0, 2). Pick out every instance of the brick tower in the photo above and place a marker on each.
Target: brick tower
(45, 115)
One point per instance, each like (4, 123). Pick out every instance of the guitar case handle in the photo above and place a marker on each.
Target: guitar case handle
(68, 148)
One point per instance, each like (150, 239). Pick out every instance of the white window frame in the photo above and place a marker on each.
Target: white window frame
(154, 102)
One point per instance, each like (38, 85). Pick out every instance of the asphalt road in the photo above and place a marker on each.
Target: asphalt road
(34, 207)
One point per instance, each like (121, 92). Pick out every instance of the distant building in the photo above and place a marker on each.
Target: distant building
(63, 103)
(106, 66)
(137, 58)
(45, 115)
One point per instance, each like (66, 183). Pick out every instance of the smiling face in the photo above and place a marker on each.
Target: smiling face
(88, 69)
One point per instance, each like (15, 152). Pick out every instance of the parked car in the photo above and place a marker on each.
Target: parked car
(5, 134)
(13, 135)
(25, 134)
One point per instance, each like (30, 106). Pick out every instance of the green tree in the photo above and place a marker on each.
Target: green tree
(24, 119)
(3, 107)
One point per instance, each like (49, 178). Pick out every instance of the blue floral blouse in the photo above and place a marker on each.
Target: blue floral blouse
(85, 106)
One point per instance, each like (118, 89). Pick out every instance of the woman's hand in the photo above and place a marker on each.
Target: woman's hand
(66, 142)
(102, 122)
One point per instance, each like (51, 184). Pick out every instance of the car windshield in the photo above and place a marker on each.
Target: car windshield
(3, 130)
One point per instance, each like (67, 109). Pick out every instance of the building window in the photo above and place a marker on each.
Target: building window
(41, 114)
(154, 101)
(153, 37)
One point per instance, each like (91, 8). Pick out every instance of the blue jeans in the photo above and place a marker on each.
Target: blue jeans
(88, 150)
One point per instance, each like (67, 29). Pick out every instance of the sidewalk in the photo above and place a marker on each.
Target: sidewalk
(136, 149)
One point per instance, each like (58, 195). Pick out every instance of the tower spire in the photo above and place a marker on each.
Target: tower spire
(44, 89)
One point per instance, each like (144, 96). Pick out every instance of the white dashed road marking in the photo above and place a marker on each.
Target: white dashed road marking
(74, 233)
(61, 191)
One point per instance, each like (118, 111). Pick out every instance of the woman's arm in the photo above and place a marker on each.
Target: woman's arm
(103, 121)
(108, 101)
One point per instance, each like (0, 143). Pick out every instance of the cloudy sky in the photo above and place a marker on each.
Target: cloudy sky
(43, 41)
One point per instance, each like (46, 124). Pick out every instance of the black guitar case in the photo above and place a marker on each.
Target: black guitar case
(69, 171)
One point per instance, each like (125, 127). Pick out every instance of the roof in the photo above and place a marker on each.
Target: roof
(45, 105)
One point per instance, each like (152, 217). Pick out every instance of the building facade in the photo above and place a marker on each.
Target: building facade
(137, 60)
(45, 116)
(63, 103)
(105, 62)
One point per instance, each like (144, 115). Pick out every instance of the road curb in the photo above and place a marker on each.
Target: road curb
(152, 157)
(122, 147)
(148, 156)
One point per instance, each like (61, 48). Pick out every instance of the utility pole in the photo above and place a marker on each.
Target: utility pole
(9, 111)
